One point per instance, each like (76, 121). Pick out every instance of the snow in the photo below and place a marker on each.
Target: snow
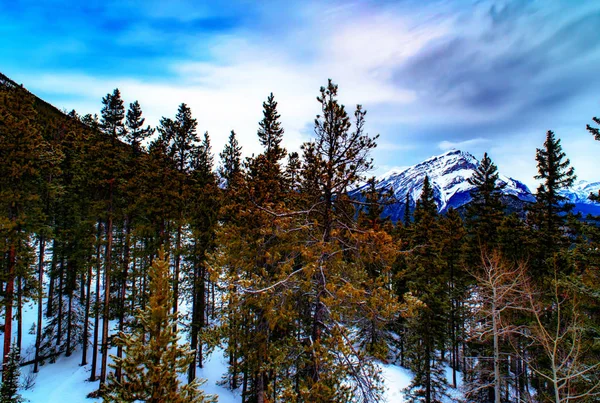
(580, 192)
(448, 174)
(396, 379)
(67, 381)
(214, 369)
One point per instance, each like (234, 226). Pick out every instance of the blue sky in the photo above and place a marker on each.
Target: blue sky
(485, 75)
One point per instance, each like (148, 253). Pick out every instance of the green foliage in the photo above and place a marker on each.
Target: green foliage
(9, 390)
(153, 357)
(231, 159)
(486, 210)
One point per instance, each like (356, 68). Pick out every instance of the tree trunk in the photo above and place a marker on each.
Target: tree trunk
(176, 273)
(9, 294)
(495, 324)
(97, 305)
(106, 314)
(61, 288)
(123, 293)
(40, 300)
(50, 303)
(20, 313)
(69, 322)
(86, 319)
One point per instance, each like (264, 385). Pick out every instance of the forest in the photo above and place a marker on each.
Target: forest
(146, 240)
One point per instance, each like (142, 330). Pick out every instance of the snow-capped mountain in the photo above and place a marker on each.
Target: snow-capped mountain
(579, 196)
(448, 174)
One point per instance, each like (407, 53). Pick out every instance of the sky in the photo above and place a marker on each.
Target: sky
(476, 75)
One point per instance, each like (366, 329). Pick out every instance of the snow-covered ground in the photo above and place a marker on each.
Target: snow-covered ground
(66, 381)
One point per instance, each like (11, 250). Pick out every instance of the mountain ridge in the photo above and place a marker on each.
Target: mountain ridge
(449, 173)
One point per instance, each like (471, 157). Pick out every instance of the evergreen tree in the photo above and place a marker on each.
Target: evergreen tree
(25, 158)
(406, 220)
(179, 136)
(337, 257)
(595, 131)
(270, 132)
(547, 214)
(112, 116)
(231, 160)
(427, 328)
(452, 239)
(151, 366)
(375, 335)
(113, 126)
(9, 389)
(485, 210)
(136, 132)
(204, 213)
(292, 171)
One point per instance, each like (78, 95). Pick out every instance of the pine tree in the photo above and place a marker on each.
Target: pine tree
(112, 116)
(427, 329)
(292, 171)
(595, 131)
(548, 213)
(204, 213)
(180, 138)
(151, 366)
(113, 127)
(336, 258)
(230, 160)
(452, 239)
(270, 132)
(485, 211)
(24, 160)
(406, 218)
(374, 329)
(9, 389)
(136, 132)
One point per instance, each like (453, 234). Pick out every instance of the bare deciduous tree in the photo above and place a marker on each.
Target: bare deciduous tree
(499, 289)
(558, 330)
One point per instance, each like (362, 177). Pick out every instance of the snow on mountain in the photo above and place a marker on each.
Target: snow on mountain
(448, 174)
(580, 192)
(579, 196)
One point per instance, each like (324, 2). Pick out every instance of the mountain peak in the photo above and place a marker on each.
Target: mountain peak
(448, 174)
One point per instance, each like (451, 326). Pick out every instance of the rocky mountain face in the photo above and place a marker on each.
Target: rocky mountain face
(449, 174)
(579, 196)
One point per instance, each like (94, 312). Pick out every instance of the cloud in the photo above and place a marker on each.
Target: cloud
(480, 75)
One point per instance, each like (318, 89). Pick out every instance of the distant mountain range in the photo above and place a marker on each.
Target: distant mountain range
(449, 173)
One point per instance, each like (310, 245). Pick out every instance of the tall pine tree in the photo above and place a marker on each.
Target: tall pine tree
(153, 357)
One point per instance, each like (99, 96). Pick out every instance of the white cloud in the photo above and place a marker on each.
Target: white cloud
(227, 91)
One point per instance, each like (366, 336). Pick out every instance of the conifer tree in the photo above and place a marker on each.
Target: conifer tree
(485, 210)
(24, 158)
(595, 131)
(452, 239)
(547, 214)
(204, 213)
(374, 331)
(292, 171)
(113, 127)
(151, 366)
(406, 218)
(427, 329)
(136, 132)
(9, 389)
(230, 160)
(179, 136)
(270, 132)
(112, 116)
(336, 259)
